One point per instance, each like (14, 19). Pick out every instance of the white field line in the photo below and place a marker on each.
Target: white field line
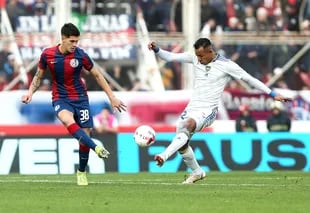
(149, 182)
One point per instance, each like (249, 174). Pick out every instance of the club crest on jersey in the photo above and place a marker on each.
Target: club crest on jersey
(208, 68)
(74, 63)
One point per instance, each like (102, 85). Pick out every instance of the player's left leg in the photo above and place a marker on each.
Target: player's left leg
(84, 120)
(191, 162)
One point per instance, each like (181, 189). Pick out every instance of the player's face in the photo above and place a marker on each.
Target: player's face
(69, 43)
(204, 55)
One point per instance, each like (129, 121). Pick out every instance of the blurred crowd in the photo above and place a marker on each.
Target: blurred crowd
(230, 15)
(166, 15)
(262, 61)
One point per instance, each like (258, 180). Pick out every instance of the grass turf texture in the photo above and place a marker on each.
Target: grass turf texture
(240, 192)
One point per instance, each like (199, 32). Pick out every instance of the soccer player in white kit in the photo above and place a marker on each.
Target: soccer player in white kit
(211, 74)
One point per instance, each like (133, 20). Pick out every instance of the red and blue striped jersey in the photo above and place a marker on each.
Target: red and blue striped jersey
(66, 72)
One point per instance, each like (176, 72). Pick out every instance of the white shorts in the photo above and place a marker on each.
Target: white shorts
(203, 117)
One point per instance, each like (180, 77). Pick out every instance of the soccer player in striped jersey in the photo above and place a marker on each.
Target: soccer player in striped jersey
(65, 62)
(211, 73)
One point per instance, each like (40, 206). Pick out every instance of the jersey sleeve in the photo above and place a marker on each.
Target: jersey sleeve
(179, 57)
(42, 61)
(88, 64)
(238, 73)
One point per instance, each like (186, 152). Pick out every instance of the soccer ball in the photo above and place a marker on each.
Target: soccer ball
(144, 136)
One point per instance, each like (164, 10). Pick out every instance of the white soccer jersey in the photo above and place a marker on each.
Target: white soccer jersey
(211, 79)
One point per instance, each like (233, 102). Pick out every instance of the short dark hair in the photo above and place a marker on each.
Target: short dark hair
(69, 29)
(202, 42)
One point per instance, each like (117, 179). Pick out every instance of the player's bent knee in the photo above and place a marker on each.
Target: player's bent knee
(183, 148)
(187, 126)
(184, 127)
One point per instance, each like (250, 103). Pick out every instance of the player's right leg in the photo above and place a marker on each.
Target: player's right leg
(184, 130)
(102, 152)
(65, 112)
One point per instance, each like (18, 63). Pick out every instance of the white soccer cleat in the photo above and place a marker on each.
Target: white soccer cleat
(195, 177)
(102, 152)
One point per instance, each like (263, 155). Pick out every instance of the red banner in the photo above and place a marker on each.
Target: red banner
(2, 4)
(259, 103)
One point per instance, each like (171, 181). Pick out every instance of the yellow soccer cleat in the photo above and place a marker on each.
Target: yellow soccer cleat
(81, 178)
(102, 152)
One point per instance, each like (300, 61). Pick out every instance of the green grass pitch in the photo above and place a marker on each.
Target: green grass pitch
(239, 192)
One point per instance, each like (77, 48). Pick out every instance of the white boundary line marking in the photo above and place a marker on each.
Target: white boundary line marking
(151, 182)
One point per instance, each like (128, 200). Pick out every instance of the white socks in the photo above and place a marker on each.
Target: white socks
(188, 155)
(178, 141)
(190, 160)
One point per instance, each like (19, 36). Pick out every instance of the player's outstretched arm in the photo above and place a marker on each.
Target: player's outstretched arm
(115, 102)
(257, 83)
(35, 84)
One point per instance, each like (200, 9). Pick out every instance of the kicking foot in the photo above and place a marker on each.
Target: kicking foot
(81, 178)
(160, 160)
(102, 152)
(195, 177)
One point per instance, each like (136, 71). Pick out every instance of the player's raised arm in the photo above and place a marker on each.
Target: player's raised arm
(115, 102)
(153, 46)
(170, 56)
(35, 84)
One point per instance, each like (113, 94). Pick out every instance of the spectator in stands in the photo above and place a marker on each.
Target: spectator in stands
(234, 25)
(85, 6)
(263, 23)
(159, 16)
(252, 58)
(270, 6)
(220, 7)
(302, 72)
(209, 17)
(305, 26)
(249, 18)
(279, 120)
(121, 76)
(245, 122)
(278, 20)
(14, 9)
(10, 67)
(168, 75)
(292, 12)
(4, 53)
(39, 7)
(3, 81)
(105, 121)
